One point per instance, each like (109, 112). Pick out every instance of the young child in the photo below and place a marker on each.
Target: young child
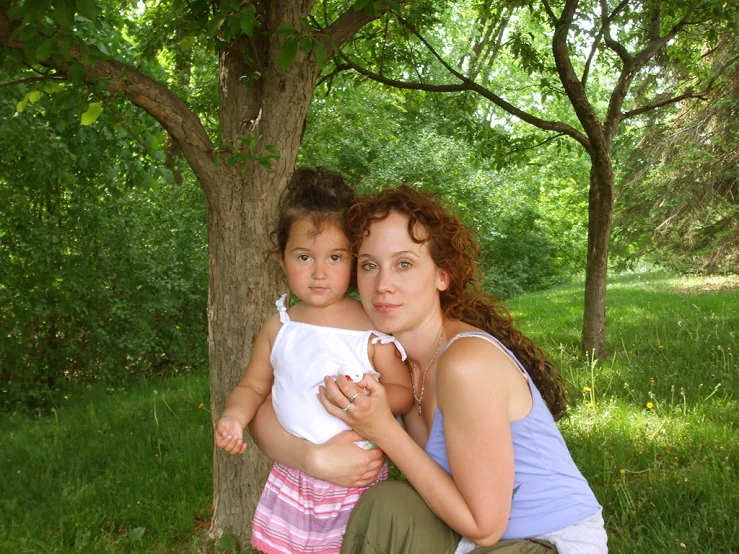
(326, 333)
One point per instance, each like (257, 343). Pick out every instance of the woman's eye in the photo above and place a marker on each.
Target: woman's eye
(369, 266)
(404, 265)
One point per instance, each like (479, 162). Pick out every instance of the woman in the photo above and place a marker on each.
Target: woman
(482, 455)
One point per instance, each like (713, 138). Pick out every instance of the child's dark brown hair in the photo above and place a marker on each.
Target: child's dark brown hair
(318, 194)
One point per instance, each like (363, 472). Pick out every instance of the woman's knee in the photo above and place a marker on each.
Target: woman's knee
(393, 517)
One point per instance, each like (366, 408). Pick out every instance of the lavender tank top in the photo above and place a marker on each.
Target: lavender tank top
(549, 492)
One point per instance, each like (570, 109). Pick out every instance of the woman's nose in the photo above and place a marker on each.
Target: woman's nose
(384, 281)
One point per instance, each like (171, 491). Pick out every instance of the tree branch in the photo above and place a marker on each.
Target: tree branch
(345, 26)
(656, 105)
(591, 56)
(30, 80)
(469, 85)
(162, 104)
(572, 85)
(431, 49)
(548, 9)
(611, 43)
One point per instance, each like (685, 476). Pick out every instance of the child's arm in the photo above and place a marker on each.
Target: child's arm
(254, 386)
(394, 376)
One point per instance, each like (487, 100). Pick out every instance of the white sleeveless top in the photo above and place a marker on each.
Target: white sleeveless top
(302, 355)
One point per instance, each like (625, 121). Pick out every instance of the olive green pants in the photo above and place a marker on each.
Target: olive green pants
(392, 518)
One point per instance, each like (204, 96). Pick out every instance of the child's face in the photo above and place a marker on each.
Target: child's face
(317, 262)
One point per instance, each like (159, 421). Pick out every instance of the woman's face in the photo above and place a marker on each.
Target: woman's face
(398, 281)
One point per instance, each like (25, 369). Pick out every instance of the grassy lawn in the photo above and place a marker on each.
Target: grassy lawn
(653, 428)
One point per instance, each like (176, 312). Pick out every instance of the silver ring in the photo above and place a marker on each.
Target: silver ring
(347, 408)
(351, 399)
(365, 391)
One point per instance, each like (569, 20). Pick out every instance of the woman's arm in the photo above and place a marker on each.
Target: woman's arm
(472, 392)
(338, 461)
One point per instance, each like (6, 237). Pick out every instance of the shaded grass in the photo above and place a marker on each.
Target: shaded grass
(129, 470)
(126, 470)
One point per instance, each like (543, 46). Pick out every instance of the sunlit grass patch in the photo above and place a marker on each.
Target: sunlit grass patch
(654, 426)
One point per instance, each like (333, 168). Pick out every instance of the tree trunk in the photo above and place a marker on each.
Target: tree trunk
(245, 280)
(600, 220)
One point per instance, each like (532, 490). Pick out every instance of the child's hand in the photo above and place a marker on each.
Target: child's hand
(229, 436)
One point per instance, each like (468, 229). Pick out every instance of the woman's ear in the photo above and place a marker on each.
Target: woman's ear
(443, 279)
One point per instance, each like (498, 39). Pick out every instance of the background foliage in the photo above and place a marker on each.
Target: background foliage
(103, 268)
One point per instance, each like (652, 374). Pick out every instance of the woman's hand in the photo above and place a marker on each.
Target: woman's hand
(341, 462)
(338, 461)
(368, 414)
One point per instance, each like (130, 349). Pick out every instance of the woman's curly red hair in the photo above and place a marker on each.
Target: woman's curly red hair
(455, 248)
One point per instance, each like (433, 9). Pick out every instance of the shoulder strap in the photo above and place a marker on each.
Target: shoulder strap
(382, 338)
(280, 304)
(492, 340)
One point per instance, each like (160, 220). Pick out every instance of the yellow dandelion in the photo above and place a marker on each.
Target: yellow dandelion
(586, 389)
(590, 404)
(200, 406)
(622, 471)
(650, 405)
(651, 379)
(661, 346)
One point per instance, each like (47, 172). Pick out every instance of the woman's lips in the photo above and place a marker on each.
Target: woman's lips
(385, 308)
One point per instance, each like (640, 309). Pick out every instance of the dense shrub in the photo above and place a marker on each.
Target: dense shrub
(103, 268)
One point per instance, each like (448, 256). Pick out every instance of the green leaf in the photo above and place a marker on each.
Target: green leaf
(249, 141)
(20, 106)
(77, 72)
(287, 53)
(34, 96)
(272, 150)
(45, 49)
(187, 42)
(359, 5)
(319, 51)
(306, 44)
(393, 4)
(63, 13)
(137, 534)
(88, 9)
(285, 30)
(166, 175)
(93, 112)
(264, 161)
(247, 23)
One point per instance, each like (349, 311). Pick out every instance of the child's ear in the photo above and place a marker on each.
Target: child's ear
(280, 260)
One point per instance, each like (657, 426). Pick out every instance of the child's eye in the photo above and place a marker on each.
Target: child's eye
(369, 266)
(335, 257)
(303, 257)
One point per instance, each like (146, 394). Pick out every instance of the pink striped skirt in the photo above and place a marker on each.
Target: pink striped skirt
(298, 513)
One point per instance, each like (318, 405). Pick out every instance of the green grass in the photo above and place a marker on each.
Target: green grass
(125, 470)
(653, 428)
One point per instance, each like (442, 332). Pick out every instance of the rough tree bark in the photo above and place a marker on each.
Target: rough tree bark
(241, 200)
